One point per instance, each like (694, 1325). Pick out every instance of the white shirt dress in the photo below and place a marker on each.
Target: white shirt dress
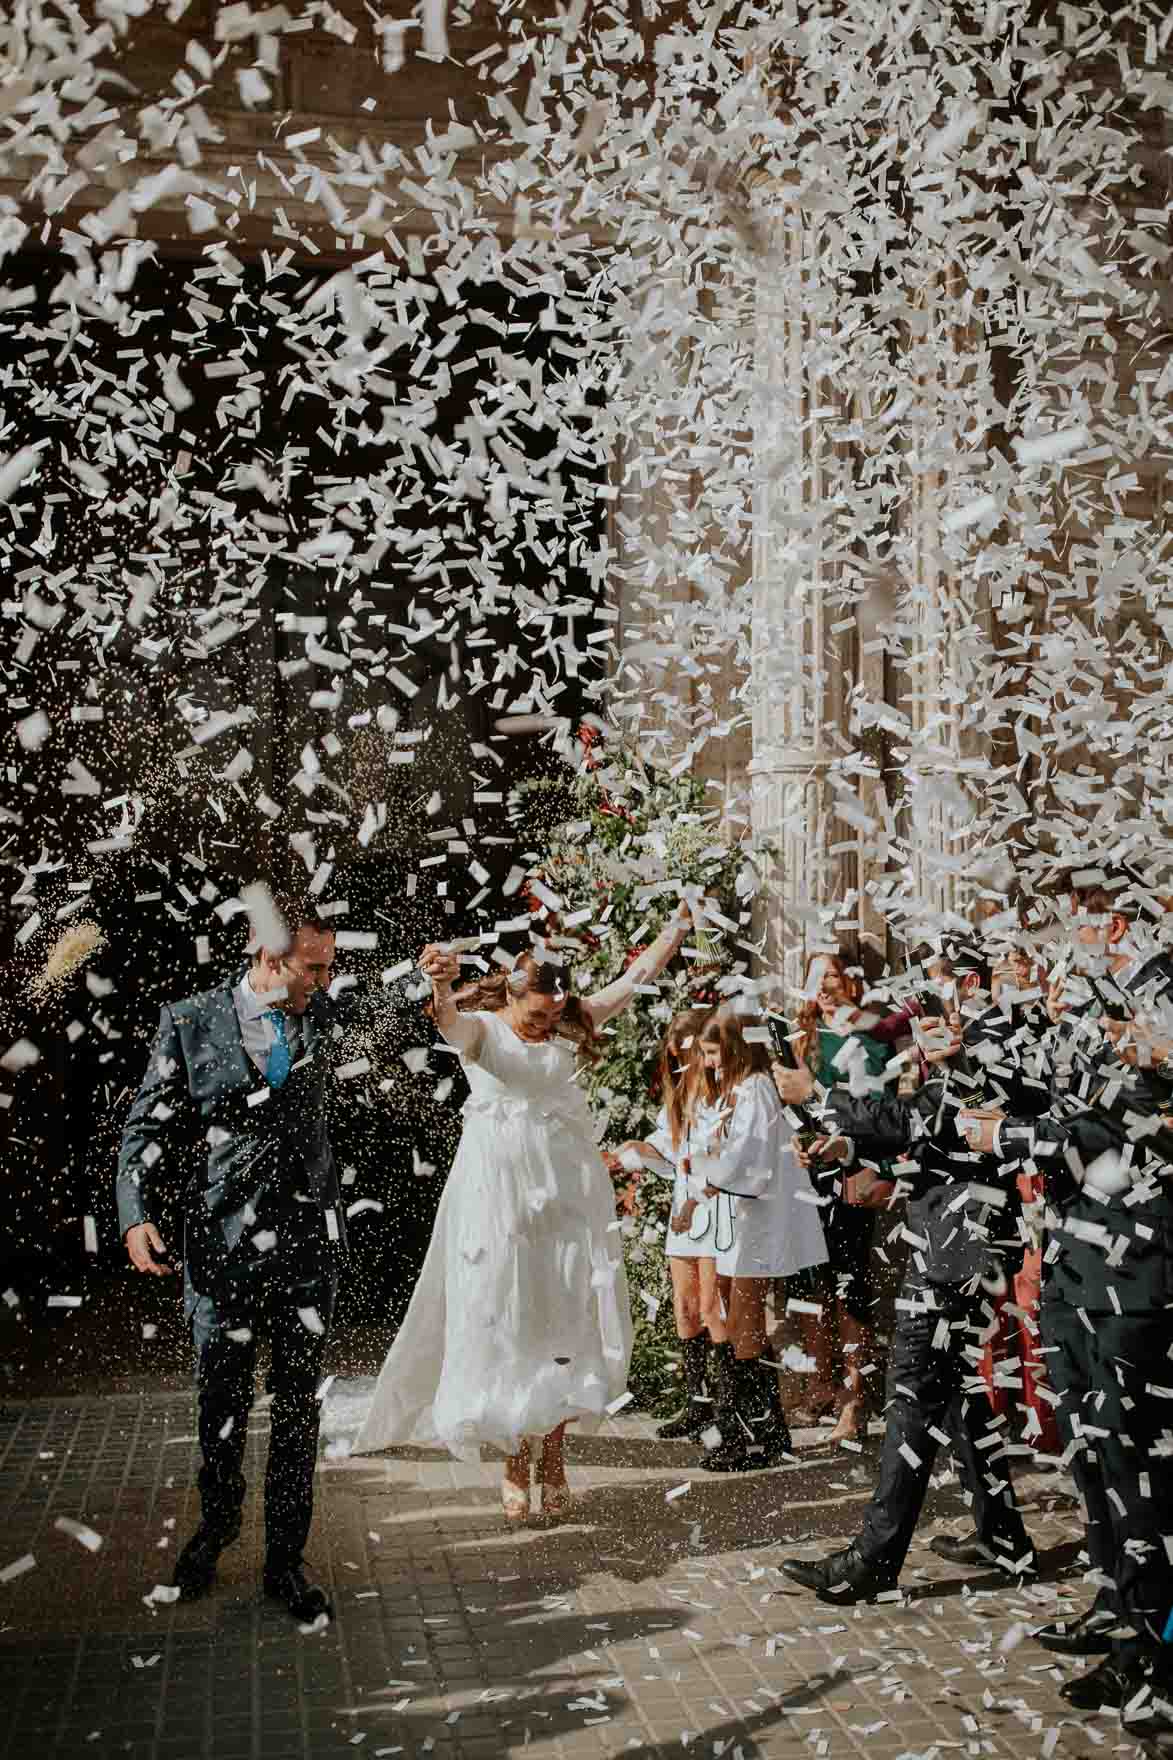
(700, 1242)
(767, 1222)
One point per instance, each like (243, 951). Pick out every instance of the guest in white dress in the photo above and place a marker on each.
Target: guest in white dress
(691, 1253)
(767, 1225)
(519, 1323)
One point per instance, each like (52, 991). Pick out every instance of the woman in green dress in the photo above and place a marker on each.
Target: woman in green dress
(849, 1287)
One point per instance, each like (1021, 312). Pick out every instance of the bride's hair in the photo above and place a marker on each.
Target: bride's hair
(529, 977)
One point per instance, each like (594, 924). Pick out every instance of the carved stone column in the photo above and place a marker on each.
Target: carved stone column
(802, 653)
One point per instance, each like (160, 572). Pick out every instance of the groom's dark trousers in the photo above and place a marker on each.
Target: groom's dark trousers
(293, 1311)
(264, 1241)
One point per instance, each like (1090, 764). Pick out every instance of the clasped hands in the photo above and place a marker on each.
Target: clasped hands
(823, 1149)
(864, 1189)
(979, 1126)
(938, 1037)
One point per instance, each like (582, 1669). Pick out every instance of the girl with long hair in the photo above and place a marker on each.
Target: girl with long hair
(696, 1304)
(847, 1287)
(519, 1323)
(766, 1226)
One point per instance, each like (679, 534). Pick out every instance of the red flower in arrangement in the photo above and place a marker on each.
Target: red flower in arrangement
(534, 905)
(631, 956)
(588, 738)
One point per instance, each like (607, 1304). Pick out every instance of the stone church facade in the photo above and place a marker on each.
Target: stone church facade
(344, 81)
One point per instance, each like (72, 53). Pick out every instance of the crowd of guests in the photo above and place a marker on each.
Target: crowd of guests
(1008, 1106)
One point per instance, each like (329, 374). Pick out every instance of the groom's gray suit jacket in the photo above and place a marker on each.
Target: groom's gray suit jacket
(274, 1149)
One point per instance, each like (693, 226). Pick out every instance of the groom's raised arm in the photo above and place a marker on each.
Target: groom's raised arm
(162, 1095)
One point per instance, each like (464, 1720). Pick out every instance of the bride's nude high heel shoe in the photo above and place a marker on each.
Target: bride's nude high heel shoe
(515, 1498)
(852, 1422)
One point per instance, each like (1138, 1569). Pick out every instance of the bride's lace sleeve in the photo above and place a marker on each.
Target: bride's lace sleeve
(614, 997)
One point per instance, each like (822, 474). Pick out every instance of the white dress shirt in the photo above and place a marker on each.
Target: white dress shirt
(257, 1034)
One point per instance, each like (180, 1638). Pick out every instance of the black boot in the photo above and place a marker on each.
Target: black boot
(771, 1432)
(691, 1423)
(735, 1399)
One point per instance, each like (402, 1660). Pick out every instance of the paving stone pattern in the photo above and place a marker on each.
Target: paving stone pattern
(644, 1627)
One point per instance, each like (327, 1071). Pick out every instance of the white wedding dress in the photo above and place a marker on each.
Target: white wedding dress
(520, 1318)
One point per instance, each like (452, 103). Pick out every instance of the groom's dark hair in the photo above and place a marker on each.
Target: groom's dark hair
(295, 910)
(298, 910)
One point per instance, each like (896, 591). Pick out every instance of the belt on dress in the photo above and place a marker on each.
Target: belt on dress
(517, 1106)
(725, 1232)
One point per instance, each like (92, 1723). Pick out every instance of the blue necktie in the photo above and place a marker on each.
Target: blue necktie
(279, 1055)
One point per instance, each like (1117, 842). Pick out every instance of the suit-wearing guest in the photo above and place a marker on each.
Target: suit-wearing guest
(263, 1228)
(963, 1229)
(1014, 1367)
(1104, 1151)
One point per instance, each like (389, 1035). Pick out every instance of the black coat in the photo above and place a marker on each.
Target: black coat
(963, 1208)
(1099, 1243)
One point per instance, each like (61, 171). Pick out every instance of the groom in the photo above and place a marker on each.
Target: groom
(264, 1232)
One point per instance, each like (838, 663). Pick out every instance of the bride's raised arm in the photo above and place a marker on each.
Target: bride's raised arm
(463, 1032)
(613, 998)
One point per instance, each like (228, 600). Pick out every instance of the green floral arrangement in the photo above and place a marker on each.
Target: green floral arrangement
(621, 844)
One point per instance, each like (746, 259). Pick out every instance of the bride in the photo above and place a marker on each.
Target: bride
(519, 1323)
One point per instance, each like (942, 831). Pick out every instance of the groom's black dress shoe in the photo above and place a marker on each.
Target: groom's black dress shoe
(1086, 1636)
(195, 1568)
(305, 1601)
(971, 1549)
(843, 1578)
(1105, 1688)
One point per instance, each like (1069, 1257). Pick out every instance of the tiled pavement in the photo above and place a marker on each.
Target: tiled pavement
(646, 1626)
